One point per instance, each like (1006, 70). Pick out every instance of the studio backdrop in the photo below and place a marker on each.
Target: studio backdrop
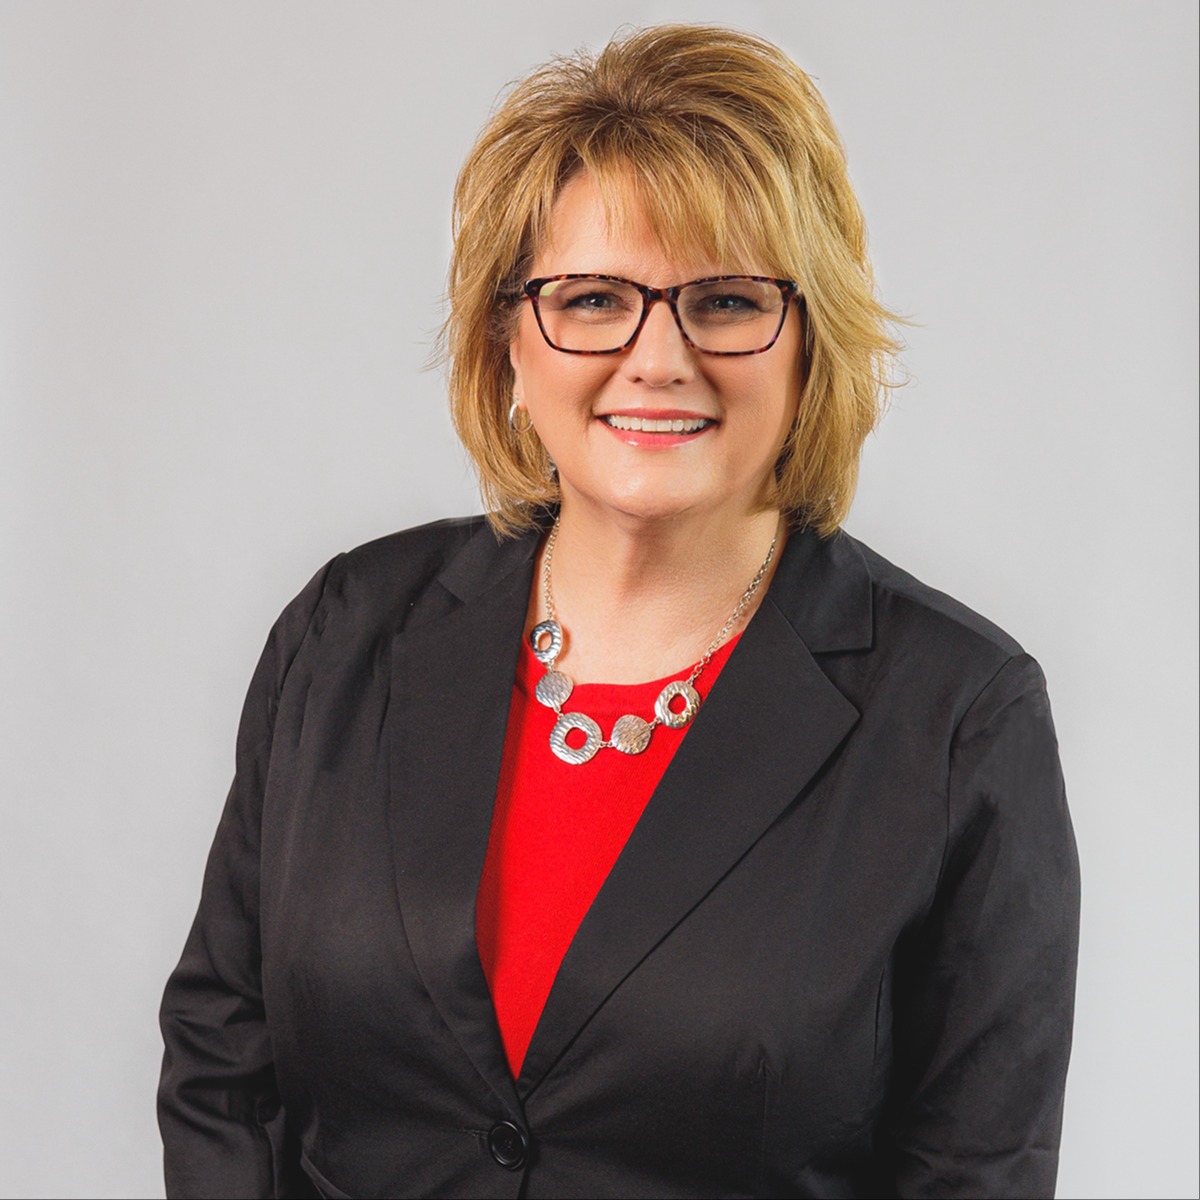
(224, 232)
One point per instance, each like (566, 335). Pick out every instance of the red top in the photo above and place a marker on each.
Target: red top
(557, 830)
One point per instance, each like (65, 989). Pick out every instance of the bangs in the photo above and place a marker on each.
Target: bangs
(697, 205)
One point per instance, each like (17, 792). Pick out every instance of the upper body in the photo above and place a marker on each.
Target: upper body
(835, 957)
(835, 954)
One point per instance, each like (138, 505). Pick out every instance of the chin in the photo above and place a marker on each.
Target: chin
(654, 495)
(654, 504)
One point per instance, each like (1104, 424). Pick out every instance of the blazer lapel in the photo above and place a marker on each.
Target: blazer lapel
(770, 722)
(452, 679)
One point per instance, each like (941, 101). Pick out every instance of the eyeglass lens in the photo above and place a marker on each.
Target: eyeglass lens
(727, 316)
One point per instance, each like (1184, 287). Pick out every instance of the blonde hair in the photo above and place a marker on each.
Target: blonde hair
(728, 148)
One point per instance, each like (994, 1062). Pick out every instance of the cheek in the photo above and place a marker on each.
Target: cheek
(769, 402)
(785, 388)
(563, 386)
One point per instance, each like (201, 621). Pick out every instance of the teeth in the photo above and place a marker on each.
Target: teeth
(648, 425)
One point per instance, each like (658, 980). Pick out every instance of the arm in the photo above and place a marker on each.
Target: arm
(984, 1011)
(218, 1107)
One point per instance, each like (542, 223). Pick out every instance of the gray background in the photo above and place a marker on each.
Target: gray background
(223, 240)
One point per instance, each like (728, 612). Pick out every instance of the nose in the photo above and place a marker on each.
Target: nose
(659, 356)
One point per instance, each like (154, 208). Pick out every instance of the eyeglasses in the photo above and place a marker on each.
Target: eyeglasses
(602, 314)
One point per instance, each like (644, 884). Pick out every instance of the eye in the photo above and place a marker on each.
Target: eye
(594, 300)
(591, 300)
(728, 301)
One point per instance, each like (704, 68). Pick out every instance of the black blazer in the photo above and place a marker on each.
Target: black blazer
(835, 958)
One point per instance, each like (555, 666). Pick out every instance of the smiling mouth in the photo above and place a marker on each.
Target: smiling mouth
(683, 425)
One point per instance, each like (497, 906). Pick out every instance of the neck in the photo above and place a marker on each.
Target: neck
(642, 599)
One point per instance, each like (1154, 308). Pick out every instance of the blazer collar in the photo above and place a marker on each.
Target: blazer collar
(823, 588)
(770, 722)
(487, 560)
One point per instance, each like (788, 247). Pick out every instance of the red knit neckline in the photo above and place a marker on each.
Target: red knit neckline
(599, 699)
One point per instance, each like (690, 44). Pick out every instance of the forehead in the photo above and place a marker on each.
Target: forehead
(616, 225)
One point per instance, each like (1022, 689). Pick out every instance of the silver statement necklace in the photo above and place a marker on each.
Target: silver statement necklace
(630, 735)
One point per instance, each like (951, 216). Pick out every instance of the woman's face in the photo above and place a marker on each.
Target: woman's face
(576, 400)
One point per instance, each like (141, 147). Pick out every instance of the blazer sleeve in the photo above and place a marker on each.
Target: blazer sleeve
(218, 1108)
(983, 1020)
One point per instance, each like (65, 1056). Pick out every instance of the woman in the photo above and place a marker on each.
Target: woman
(651, 837)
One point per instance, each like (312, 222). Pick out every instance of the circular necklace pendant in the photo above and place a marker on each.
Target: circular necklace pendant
(558, 738)
(554, 689)
(666, 714)
(548, 653)
(631, 735)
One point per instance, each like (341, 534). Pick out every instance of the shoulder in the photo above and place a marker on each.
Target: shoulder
(886, 637)
(416, 575)
(958, 650)
(408, 560)
(841, 595)
(908, 602)
(370, 589)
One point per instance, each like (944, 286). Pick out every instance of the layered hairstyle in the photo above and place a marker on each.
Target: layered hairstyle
(728, 149)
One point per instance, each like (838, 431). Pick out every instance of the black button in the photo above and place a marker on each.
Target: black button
(509, 1145)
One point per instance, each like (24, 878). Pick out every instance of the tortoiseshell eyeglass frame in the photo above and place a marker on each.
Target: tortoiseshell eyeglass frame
(788, 290)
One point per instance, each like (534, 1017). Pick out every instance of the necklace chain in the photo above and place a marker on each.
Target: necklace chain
(631, 734)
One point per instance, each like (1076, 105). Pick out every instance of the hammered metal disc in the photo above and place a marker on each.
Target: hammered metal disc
(631, 735)
(553, 689)
(558, 738)
(548, 653)
(662, 706)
